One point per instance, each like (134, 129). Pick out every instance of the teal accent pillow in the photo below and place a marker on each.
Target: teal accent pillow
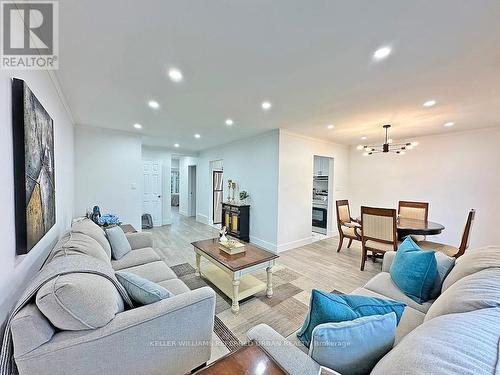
(327, 307)
(141, 290)
(353, 347)
(414, 271)
(118, 241)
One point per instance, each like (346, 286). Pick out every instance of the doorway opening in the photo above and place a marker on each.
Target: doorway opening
(152, 202)
(322, 197)
(192, 190)
(218, 195)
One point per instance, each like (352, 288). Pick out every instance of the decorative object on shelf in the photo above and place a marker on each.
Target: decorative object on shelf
(108, 220)
(34, 173)
(388, 146)
(232, 247)
(236, 218)
(95, 215)
(244, 196)
(222, 234)
(229, 184)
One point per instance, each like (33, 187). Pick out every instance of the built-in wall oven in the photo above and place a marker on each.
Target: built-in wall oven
(319, 216)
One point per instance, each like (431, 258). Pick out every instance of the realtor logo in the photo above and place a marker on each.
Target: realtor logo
(30, 35)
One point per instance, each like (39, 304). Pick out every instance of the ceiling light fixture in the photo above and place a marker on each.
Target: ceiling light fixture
(331, 126)
(176, 145)
(175, 75)
(364, 138)
(429, 103)
(382, 53)
(154, 104)
(197, 136)
(229, 122)
(449, 124)
(266, 106)
(138, 126)
(388, 146)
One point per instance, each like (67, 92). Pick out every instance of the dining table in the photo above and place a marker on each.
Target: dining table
(406, 226)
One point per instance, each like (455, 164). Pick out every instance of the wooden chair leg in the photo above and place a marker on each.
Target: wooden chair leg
(363, 259)
(341, 240)
(350, 242)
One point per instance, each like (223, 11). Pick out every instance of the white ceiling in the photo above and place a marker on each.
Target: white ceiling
(311, 59)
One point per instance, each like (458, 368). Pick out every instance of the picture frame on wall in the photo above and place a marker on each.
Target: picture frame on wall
(34, 169)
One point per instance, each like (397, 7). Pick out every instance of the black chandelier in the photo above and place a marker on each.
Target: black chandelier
(388, 146)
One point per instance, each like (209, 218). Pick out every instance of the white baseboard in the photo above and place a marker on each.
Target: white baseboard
(294, 244)
(265, 244)
(202, 219)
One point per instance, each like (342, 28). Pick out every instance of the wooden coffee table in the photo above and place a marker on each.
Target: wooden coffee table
(232, 273)
(248, 360)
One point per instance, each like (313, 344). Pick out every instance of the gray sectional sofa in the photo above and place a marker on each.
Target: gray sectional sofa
(169, 337)
(458, 333)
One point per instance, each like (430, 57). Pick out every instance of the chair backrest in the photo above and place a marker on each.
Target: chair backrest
(464, 244)
(379, 224)
(343, 213)
(413, 210)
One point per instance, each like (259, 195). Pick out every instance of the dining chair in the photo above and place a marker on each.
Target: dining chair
(378, 232)
(347, 226)
(414, 210)
(452, 250)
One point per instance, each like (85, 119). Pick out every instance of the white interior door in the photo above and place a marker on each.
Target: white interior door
(152, 190)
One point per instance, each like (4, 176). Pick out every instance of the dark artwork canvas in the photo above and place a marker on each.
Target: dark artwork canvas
(34, 177)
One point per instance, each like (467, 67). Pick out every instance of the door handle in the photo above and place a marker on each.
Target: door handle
(159, 196)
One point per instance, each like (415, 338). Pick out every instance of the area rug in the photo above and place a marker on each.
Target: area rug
(284, 312)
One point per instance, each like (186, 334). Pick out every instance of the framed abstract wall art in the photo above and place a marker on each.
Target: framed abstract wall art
(34, 174)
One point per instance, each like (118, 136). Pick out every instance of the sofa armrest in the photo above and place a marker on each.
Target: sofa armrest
(292, 359)
(388, 258)
(171, 337)
(140, 240)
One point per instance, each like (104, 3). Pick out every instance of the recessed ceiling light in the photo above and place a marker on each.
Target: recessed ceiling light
(448, 124)
(176, 145)
(138, 126)
(229, 122)
(331, 126)
(154, 104)
(429, 103)
(266, 105)
(197, 135)
(364, 138)
(382, 53)
(175, 74)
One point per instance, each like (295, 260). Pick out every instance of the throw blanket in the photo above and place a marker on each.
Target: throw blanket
(58, 266)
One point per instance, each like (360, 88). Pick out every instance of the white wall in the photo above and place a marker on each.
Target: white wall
(253, 164)
(15, 270)
(184, 163)
(296, 161)
(165, 156)
(108, 173)
(453, 172)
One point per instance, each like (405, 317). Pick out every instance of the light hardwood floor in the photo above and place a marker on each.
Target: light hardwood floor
(318, 266)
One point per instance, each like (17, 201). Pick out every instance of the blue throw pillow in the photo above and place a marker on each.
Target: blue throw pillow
(353, 347)
(118, 241)
(414, 271)
(331, 308)
(141, 290)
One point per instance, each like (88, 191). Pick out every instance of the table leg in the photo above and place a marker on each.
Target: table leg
(198, 264)
(269, 291)
(235, 307)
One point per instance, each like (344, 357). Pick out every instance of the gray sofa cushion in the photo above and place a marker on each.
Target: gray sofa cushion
(465, 343)
(79, 301)
(383, 284)
(140, 240)
(410, 320)
(135, 258)
(30, 329)
(91, 229)
(174, 286)
(474, 260)
(76, 243)
(154, 271)
(477, 291)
